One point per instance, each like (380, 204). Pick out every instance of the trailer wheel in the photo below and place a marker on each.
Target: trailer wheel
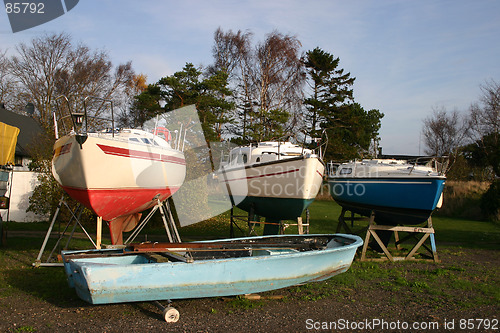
(171, 314)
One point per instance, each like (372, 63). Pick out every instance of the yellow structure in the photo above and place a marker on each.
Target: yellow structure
(8, 140)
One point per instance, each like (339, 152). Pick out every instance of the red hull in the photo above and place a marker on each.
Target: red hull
(112, 203)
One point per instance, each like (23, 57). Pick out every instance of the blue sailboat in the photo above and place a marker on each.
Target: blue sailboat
(397, 192)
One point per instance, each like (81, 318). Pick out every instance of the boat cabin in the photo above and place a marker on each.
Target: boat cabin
(263, 152)
(138, 136)
(381, 167)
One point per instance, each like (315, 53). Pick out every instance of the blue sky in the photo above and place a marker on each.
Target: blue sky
(407, 56)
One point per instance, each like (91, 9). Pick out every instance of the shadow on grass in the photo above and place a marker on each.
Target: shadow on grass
(49, 284)
(45, 283)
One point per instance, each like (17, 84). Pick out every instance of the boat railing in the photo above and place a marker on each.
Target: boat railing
(437, 163)
(332, 167)
(180, 138)
(80, 120)
(321, 144)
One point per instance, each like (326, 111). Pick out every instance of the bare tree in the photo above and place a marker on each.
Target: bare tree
(485, 123)
(485, 115)
(51, 66)
(280, 77)
(267, 81)
(444, 132)
(8, 87)
(232, 52)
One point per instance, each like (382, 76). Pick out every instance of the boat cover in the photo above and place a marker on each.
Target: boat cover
(8, 141)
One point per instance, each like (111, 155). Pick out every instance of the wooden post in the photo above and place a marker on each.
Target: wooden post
(99, 232)
(300, 226)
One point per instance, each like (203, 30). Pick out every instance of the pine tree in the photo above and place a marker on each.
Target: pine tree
(331, 88)
(189, 86)
(350, 129)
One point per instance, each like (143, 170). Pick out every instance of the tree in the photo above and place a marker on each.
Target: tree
(330, 87)
(189, 86)
(7, 84)
(52, 66)
(233, 55)
(267, 79)
(143, 107)
(352, 132)
(444, 132)
(485, 124)
(485, 131)
(279, 78)
(135, 87)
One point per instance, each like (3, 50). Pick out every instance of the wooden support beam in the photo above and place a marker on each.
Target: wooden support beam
(425, 232)
(99, 233)
(300, 227)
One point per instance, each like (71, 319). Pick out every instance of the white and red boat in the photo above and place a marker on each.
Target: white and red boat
(118, 174)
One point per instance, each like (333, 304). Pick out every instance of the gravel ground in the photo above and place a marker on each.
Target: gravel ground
(367, 307)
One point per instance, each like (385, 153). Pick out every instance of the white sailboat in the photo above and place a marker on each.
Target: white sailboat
(282, 178)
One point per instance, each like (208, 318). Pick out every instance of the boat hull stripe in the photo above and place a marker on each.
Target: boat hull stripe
(264, 175)
(124, 152)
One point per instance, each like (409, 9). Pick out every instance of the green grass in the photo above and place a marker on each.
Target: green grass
(425, 283)
(414, 280)
(324, 216)
(462, 232)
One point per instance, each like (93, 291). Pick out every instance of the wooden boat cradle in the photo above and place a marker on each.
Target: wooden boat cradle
(427, 232)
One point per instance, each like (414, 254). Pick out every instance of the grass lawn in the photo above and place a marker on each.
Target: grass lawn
(463, 285)
(324, 216)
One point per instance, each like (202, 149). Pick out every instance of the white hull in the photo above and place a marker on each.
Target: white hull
(115, 177)
(293, 178)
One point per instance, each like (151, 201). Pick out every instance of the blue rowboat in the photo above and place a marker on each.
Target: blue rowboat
(398, 192)
(152, 271)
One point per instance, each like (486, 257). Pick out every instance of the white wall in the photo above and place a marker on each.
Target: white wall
(23, 183)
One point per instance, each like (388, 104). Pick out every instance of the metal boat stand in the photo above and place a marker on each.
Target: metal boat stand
(75, 217)
(253, 220)
(427, 232)
(168, 222)
(169, 313)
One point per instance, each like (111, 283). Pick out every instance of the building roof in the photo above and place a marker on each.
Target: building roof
(29, 129)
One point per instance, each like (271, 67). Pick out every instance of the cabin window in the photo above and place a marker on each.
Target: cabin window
(134, 139)
(345, 171)
(257, 160)
(146, 141)
(245, 158)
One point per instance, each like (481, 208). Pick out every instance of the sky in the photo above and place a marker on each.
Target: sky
(408, 57)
